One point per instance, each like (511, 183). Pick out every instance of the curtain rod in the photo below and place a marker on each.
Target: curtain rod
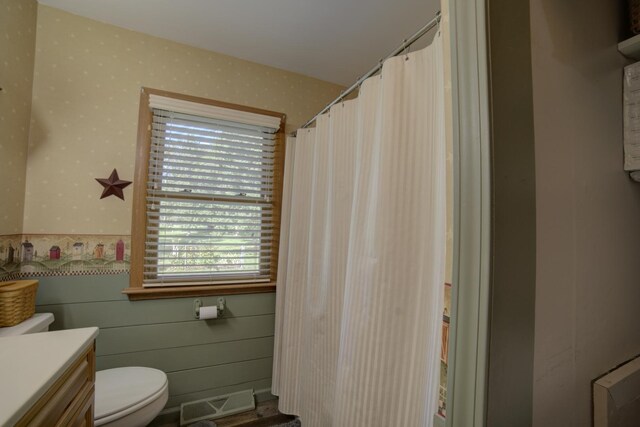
(405, 44)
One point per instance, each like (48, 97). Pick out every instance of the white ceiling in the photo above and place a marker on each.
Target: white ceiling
(333, 40)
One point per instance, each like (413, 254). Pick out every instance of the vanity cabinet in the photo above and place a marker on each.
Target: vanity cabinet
(48, 379)
(69, 402)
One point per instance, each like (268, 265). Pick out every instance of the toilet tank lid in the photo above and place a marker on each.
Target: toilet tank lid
(119, 389)
(39, 322)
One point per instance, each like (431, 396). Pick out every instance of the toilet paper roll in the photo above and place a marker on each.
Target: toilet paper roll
(210, 312)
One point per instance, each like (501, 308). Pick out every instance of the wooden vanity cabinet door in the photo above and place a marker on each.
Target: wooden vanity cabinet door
(76, 412)
(84, 416)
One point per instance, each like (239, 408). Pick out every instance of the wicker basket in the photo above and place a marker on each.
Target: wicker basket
(634, 15)
(17, 301)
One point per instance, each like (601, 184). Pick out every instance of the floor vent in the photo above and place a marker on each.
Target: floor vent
(216, 407)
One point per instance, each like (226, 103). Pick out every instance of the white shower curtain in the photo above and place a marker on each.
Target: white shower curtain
(361, 273)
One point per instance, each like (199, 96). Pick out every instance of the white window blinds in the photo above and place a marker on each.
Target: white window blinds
(210, 189)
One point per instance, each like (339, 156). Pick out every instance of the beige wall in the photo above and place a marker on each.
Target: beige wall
(17, 44)
(588, 211)
(85, 106)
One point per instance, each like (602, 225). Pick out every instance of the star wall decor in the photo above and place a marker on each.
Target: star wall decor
(113, 185)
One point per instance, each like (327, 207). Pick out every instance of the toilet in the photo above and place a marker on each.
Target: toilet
(129, 397)
(124, 397)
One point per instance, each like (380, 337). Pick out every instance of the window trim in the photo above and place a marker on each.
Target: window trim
(136, 291)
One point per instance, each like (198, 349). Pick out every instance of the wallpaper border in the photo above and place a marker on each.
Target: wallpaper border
(28, 255)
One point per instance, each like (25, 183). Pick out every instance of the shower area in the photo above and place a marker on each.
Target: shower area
(365, 260)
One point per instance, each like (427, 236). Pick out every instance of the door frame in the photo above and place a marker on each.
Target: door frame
(471, 138)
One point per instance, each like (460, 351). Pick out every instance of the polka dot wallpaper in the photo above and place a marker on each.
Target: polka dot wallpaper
(84, 115)
(17, 44)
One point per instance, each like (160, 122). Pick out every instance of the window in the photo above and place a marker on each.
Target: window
(208, 183)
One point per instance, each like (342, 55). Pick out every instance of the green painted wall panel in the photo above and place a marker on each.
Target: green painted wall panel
(176, 400)
(190, 357)
(193, 380)
(201, 358)
(109, 314)
(166, 335)
(74, 289)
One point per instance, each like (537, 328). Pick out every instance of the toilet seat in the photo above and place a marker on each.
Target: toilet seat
(122, 391)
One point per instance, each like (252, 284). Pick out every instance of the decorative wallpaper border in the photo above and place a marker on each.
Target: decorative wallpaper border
(27, 255)
(444, 354)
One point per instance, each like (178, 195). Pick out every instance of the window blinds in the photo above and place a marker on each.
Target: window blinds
(212, 111)
(210, 186)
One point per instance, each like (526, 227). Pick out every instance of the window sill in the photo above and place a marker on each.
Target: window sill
(140, 293)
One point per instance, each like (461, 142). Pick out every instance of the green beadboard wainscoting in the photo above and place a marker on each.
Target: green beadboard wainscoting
(201, 358)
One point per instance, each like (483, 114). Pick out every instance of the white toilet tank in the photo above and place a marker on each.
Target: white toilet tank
(39, 322)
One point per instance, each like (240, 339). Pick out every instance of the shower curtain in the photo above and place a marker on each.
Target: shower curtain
(361, 266)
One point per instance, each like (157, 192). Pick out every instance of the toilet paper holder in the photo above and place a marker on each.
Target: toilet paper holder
(198, 303)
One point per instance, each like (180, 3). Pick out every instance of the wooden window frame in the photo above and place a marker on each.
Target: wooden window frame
(136, 291)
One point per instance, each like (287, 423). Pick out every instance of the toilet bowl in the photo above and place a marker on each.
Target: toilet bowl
(129, 397)
(124, 397)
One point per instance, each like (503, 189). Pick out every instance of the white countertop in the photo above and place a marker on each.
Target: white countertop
(30, 364)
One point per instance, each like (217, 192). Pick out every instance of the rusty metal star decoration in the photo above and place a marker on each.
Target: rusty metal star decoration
(113, 185)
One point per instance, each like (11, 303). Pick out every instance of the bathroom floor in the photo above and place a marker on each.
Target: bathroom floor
(265, 415)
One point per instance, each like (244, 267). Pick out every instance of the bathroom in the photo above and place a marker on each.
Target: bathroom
(84, 85)
(81, 84)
